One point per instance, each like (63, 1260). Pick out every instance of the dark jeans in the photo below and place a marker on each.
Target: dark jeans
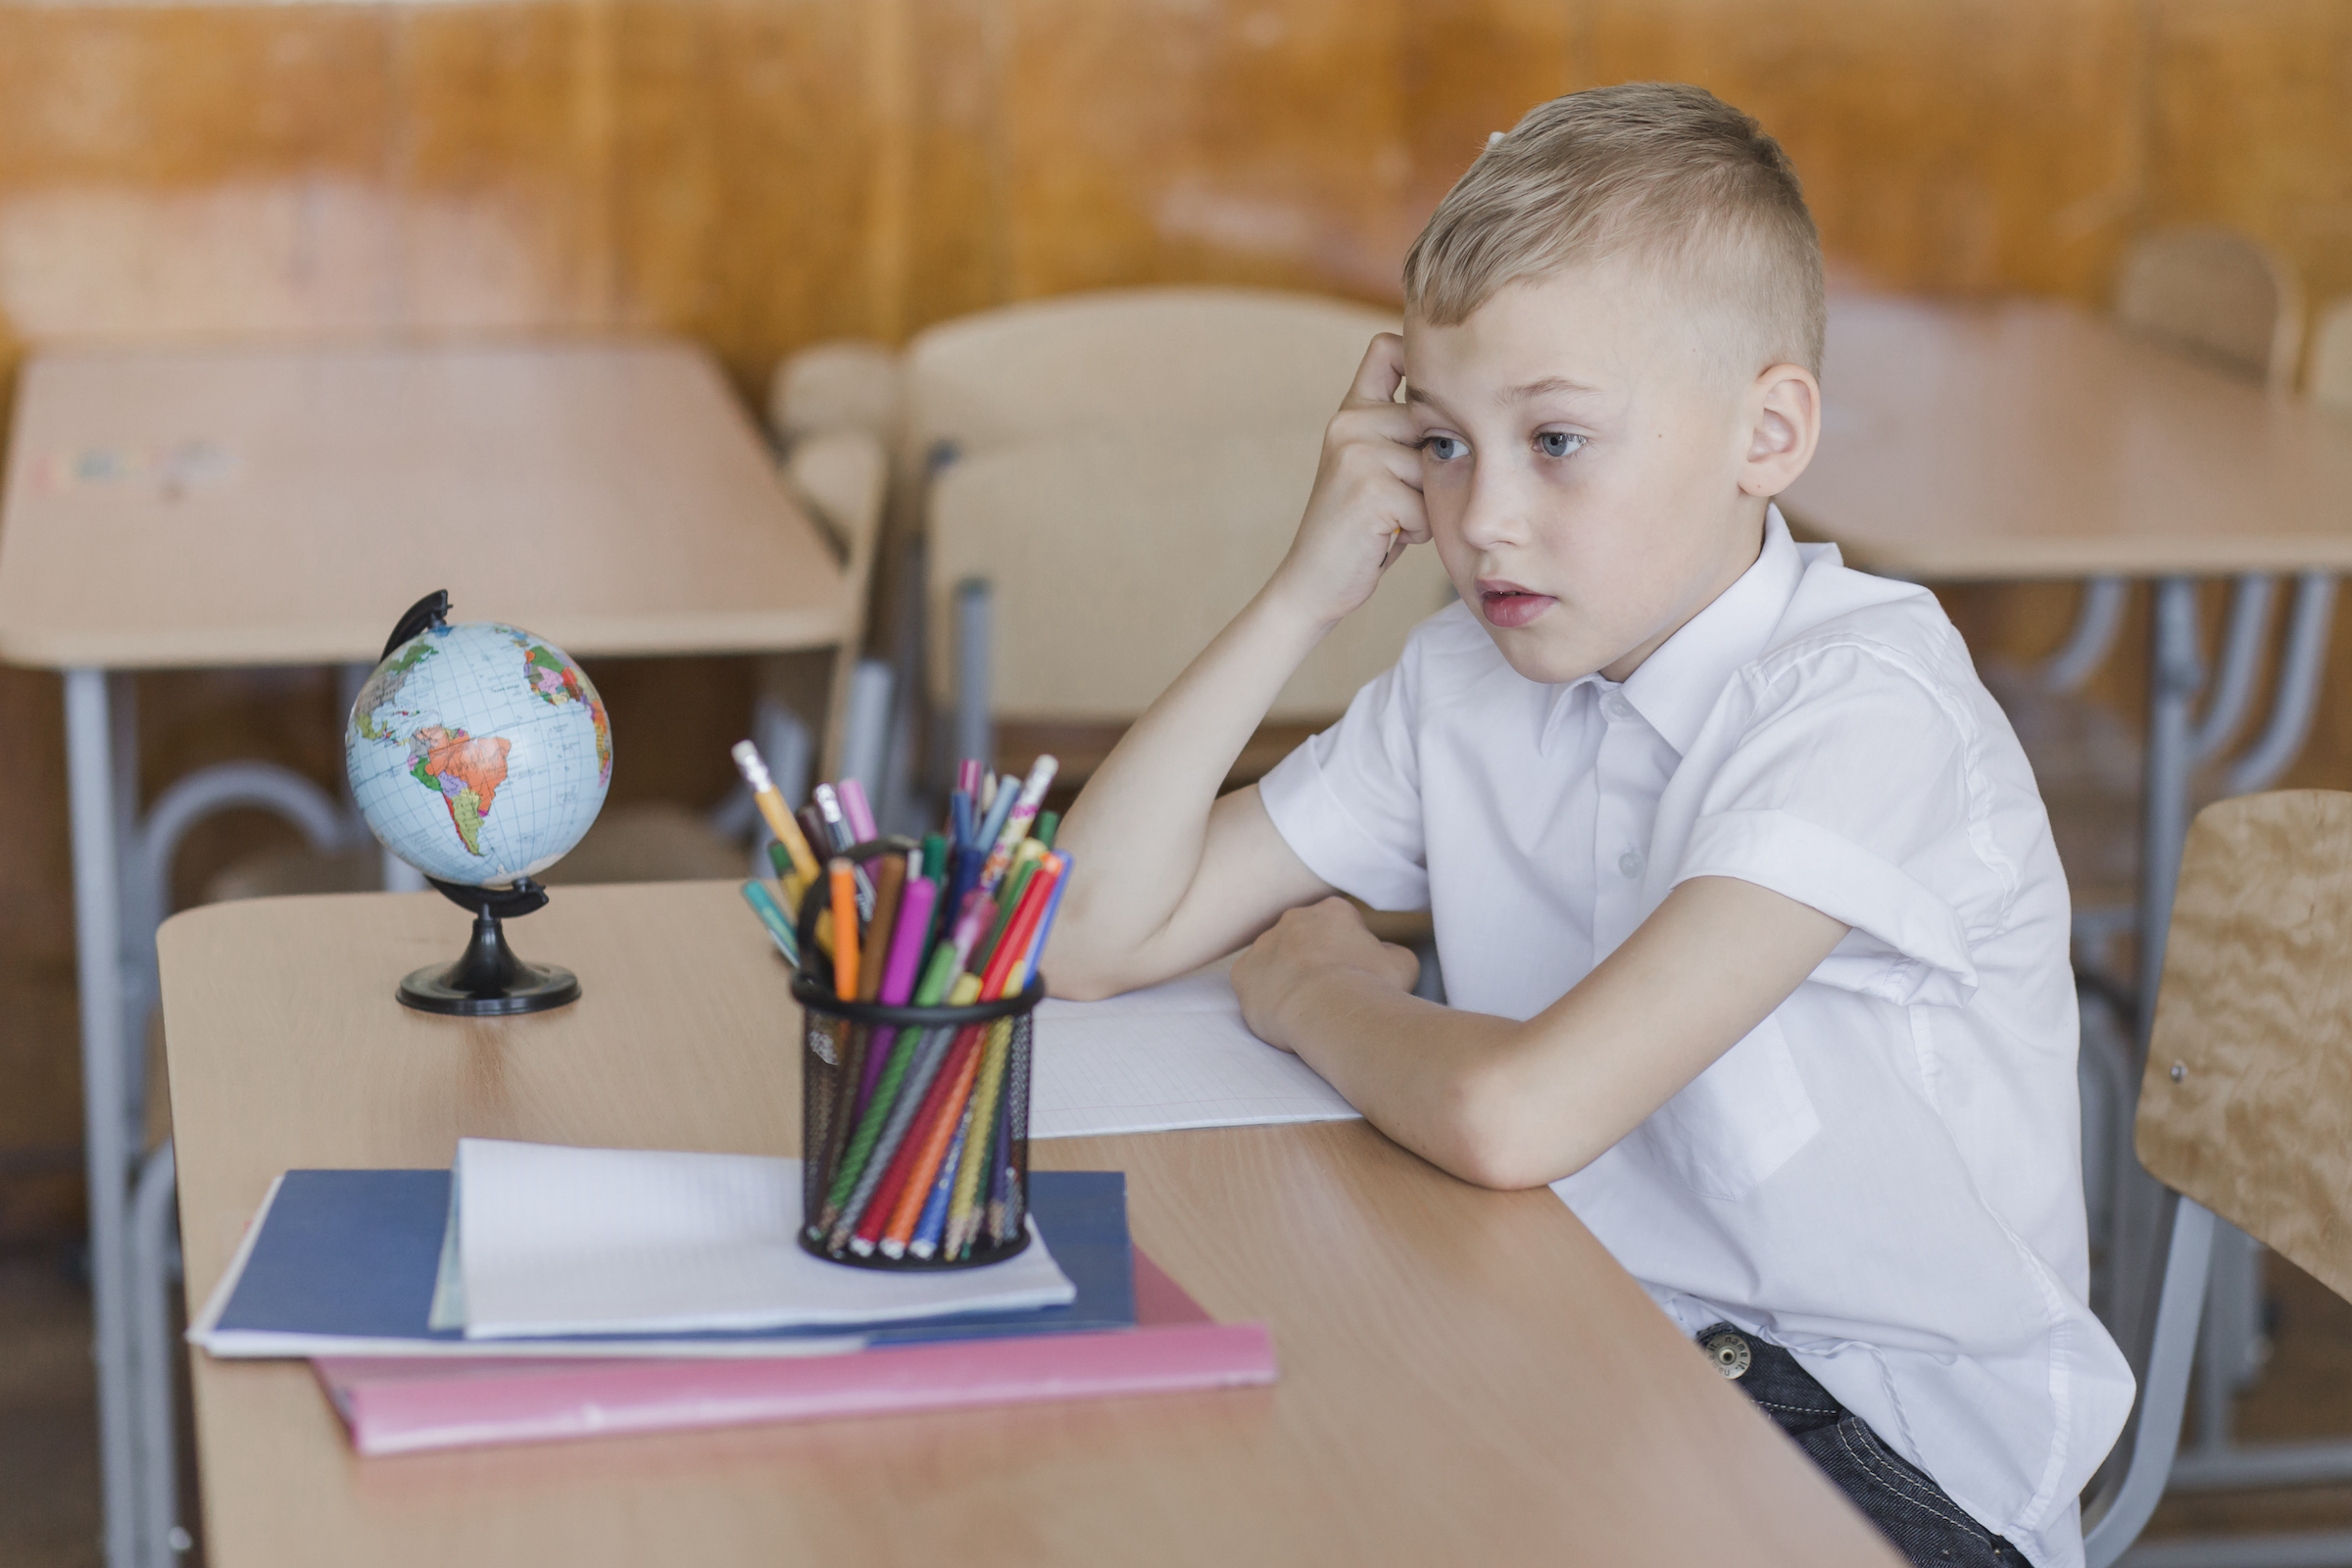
(1909, 1509)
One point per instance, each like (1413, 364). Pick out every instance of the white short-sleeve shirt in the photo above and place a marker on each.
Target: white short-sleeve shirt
(1885, 1176)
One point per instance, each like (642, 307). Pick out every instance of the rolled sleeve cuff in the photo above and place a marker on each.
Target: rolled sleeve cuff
(1322, 832)
(1907, 945)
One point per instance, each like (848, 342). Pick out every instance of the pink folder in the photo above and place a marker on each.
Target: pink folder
(406, 1407)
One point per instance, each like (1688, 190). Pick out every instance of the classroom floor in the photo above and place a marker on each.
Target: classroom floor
(49, 1435)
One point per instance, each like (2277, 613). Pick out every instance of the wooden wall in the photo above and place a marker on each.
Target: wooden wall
(761, 173)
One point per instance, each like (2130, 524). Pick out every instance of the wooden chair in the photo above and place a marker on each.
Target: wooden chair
(2246, 1109)
(844, 384)
(2331, 375)
(2215, 292)
(1241, 372)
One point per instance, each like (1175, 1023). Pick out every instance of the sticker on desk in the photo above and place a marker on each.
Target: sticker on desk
(173, 471)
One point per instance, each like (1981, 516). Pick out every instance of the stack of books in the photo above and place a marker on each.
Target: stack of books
(535, 1293)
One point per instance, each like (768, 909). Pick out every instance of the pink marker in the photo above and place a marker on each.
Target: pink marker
(897, 975)
(906, 942)
(860, 816)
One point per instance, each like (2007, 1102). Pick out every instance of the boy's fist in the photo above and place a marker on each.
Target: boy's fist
(1366, 505)
(1311, 940)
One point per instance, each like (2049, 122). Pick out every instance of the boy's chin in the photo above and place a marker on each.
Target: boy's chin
(1548, 661)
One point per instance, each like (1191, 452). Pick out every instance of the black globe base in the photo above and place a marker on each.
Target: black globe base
(489, 981)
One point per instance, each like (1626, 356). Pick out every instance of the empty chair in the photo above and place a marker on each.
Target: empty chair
(2245, 1106)
(2218, 292)
(1108, 561)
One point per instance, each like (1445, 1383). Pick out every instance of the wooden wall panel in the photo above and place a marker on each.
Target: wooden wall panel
(1959, 148)
(2250, 124)
(764, 174)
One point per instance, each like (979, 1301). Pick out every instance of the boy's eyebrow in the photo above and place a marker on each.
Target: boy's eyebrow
(1546, 387)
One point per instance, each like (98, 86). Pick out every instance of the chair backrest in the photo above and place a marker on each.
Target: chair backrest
(1134, 359)
(846, 384)
(2247, 1103)
(2215, 291)
(1113, 559)
(2330, 381)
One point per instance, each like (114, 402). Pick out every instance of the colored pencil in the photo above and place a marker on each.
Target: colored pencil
(854, 806)
(764, 904)
(1016, 822)
(845, 930)
(932, 1225)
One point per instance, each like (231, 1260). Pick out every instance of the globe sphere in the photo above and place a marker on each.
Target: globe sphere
(478, 753)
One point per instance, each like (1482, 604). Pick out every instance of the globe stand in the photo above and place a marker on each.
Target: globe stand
(489, 981)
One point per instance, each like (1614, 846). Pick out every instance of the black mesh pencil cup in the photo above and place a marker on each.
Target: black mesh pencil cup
(914, 1123)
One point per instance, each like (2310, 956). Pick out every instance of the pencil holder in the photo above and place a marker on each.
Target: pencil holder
(914, 1123)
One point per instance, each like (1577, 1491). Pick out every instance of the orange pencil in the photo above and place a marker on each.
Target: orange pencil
(845, 928)
(936, 1138)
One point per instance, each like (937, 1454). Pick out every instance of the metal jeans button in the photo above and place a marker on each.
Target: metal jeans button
(1731, 1354)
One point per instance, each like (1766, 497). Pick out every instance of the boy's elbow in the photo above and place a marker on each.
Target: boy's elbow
(1496, 1137)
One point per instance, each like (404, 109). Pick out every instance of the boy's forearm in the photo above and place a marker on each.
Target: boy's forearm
(1436, 1080)
(1141, 826)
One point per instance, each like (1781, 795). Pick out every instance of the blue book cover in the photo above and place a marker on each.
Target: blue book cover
(346, 1263)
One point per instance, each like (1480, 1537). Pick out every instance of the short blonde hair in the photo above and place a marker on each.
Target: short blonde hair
(1665, 173)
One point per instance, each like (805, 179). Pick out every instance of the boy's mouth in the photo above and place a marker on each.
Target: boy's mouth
(1506, 604)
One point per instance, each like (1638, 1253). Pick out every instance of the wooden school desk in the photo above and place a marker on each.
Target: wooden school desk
(2034, 439)
(1466, 1376)
(217, 507)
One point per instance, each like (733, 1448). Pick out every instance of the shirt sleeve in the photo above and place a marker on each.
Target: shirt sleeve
(1348, 801)
(1854, 787)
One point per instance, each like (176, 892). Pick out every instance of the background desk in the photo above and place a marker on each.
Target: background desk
(1466, 1376)
(226, 507)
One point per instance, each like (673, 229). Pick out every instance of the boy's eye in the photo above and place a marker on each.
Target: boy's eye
(1445, 448)
(1557, 443)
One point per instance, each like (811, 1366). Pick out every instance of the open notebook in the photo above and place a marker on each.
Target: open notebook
(1174, 1055)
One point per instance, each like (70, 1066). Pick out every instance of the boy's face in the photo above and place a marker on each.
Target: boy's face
(1595, 472)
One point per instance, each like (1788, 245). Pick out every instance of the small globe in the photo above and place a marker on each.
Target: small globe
(478, 753)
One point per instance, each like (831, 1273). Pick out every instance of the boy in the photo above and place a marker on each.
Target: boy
(1747, 906)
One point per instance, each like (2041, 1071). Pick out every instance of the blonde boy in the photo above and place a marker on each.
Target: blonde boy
(1746, 908)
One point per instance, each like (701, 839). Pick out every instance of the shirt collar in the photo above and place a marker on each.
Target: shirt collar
(1675, 688)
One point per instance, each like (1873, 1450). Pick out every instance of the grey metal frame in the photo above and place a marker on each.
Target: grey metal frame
(121, 862)
(2116, 1519)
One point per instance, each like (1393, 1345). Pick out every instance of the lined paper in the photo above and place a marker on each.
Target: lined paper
(1174, 1055)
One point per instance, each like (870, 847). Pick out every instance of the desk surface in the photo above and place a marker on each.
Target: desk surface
(2035, 439)
(1466, 1376)
(253, 505)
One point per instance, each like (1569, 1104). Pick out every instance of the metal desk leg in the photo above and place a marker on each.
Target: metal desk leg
(2176, 672)
(98, 954)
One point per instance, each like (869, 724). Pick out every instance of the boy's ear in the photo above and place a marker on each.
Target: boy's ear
(1784, 407)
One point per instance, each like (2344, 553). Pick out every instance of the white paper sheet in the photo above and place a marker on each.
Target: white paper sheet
(609, 1240)
(1174, 1055)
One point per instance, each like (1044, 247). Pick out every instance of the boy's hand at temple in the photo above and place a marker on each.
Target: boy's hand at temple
(1366, 505)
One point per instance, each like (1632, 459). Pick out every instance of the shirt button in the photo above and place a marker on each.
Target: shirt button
(1618, 706)
(1631, 862)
